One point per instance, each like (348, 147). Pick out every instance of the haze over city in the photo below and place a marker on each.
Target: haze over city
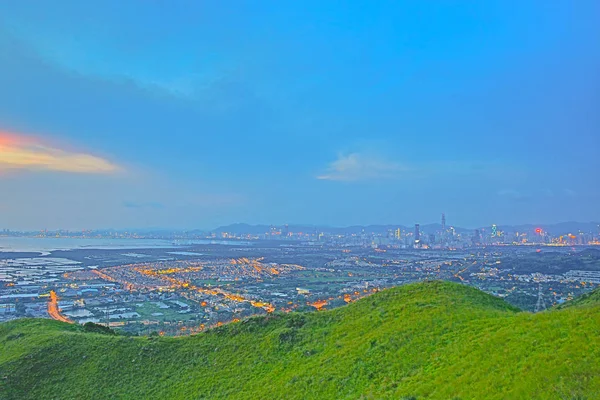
(194, 115)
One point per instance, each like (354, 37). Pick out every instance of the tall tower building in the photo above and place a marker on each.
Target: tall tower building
(417, 243)
(476, 238)
(398, 234)
(443, 233)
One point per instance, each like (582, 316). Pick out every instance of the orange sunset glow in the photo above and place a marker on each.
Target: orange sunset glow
(21, 152)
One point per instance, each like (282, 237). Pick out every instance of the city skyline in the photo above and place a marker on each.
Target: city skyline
(575, 225)
(438, 233)
(340, 115)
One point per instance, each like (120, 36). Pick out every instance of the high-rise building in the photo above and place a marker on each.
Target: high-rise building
(476, 238)
(431, 239)
(494, 230)
(398, 234)
(443, 233)
(417, 241)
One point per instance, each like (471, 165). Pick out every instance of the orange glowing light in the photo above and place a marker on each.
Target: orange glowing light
(319, 304)
(53, 309)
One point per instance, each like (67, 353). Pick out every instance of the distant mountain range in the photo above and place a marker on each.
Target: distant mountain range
(554, 229)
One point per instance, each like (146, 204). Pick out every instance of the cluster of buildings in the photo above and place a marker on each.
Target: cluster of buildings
(202, 285)
(436, 236)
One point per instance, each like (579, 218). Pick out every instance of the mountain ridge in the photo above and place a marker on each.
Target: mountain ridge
(435, 340)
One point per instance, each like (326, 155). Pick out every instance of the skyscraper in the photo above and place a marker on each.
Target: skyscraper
(431, 239)
(443, 233)
(476, 238)
(417, 243)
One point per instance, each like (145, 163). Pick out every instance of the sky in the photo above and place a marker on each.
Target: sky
(194, 114)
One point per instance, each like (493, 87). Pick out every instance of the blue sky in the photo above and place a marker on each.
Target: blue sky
(191, 114)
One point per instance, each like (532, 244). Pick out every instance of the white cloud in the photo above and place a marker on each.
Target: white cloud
(514, 194)
(541, 193)
(362, 167)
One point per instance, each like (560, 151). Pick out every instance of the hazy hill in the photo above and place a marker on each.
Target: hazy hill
(430, 340)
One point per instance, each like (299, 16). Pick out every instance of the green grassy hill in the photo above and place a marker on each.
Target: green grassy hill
(433, 340)
(591, 299)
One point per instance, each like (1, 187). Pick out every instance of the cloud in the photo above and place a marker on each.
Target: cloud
(361, 167)
(143, 205)
(514, 194)
(19, 152)
(518, 195)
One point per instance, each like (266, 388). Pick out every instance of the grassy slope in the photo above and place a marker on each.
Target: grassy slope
(430, 340)
(587, 299)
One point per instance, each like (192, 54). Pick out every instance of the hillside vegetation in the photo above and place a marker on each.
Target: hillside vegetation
(433, 340)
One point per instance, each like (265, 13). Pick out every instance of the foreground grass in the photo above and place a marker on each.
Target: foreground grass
(433, 340)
